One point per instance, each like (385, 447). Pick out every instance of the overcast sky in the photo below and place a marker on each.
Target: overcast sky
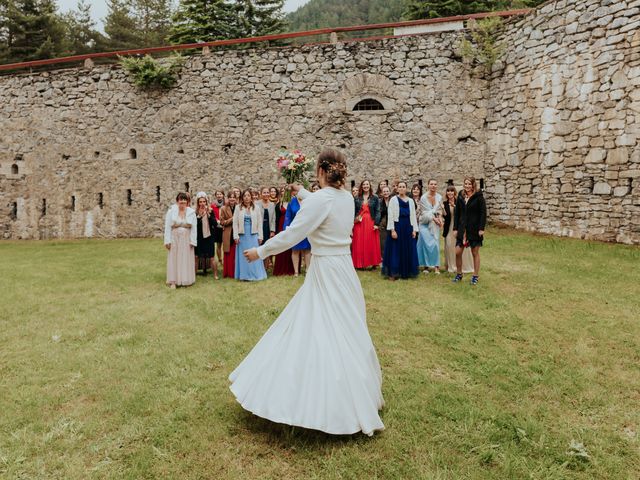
(99, 7)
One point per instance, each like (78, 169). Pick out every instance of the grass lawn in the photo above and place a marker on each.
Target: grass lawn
(535, 373)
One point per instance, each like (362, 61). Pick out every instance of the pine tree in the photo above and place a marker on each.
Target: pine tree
(81, 34)
(120, 26)
(259, 17)
(30, 30)
(198, 21)
(418, 9)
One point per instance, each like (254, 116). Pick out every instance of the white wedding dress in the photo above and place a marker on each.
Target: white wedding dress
(316, 366)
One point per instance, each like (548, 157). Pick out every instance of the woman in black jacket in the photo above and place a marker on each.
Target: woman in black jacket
(468, 226)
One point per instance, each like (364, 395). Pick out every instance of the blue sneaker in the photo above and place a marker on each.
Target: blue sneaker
(474, 280)
(458, 278)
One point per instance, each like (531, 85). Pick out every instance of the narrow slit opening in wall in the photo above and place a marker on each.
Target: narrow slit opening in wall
(129, 197)
(133, 154)
(353, 184)
(14, 169)
(73, 203)
(100, 200)
(482, 184)
(450, 181)
(420, 183)
(181, 150)
(13, 213)
(66, 156)
(96, 154)
(18, 158)
(158, 194)
(186, 187)
(43, 209)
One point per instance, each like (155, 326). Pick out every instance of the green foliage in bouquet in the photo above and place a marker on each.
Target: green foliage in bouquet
(148, 73)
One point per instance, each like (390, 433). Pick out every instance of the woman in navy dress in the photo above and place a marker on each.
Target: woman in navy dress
(304, 247)
(400, 259)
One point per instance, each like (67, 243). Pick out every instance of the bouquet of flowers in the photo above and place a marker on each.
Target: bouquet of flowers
(294, 167)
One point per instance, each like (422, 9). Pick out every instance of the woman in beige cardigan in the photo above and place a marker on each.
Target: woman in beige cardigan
(247, 233)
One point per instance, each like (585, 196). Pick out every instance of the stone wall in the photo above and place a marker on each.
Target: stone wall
(554, 132)
(564, 122)
(109, 159)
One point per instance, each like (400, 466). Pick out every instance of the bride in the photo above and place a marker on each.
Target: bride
(316, 366)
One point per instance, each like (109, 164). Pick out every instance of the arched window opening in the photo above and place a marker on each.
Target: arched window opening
(132, 153)
(186, 187)
(14, 169)
(368, 104)
(13, 213)
(73, 203)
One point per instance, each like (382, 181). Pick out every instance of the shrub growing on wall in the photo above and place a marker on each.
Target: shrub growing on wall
(149, 73)
(482, 47)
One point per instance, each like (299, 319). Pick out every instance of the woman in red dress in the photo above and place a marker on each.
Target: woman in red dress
(283, 264)
(365, 247)
(228, 245)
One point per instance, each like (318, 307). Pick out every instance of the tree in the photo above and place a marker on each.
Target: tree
(418, 9)
(120, 26)
(259, 17)
(30, 30)
(81, 34)
(137, 23)
(198, 21)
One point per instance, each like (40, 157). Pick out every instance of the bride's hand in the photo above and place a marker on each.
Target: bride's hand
(295, 188)
(251, 255)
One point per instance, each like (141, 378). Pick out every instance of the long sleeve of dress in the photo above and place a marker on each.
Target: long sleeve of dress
(312, 213)
(167, 227)
(456, 214)
(376, 214)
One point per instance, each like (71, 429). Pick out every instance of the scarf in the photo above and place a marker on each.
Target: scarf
(206, 232)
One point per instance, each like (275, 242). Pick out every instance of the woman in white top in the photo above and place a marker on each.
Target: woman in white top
(430, 221)
(316, 366)
(180, 238)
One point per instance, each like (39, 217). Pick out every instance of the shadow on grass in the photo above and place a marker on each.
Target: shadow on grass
(287, 436)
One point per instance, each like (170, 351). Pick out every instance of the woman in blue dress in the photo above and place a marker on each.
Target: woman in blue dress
(247, 233)
(430, 222)
(400, 259)
(304, 247)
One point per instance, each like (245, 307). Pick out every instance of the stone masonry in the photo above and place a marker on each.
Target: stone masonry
(564, 122)
(552, 134)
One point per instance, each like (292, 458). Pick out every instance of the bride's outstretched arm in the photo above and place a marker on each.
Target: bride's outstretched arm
(314, 209)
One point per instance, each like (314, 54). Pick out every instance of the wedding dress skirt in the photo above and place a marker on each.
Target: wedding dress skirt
(316, 366)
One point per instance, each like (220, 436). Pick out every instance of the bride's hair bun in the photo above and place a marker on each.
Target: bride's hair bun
(334, 164)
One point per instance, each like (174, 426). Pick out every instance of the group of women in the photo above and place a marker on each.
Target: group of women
(401, 231)
(213, 232)
(394, 229)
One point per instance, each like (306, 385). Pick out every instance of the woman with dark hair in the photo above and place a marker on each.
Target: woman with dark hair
(381, 185)
(315, 187)
(206, 247)
(216, 206)
(384, 206)
(316, 366)
(416, 195)
(365, 248)
(247, 233)
(400, 259)
(449, 209)
(228, 245)
(468, 226)
(180, 238)
(283, 264)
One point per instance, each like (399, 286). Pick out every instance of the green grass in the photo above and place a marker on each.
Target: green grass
(106, 373)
